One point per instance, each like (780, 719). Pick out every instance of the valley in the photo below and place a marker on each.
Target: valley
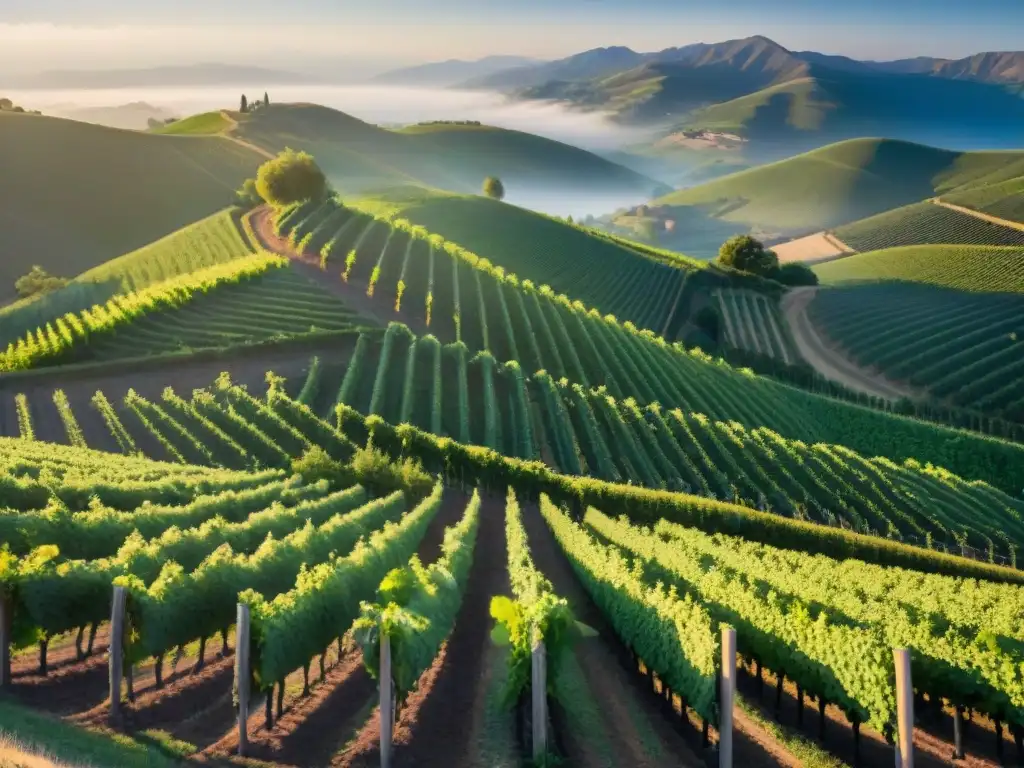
(334, 440)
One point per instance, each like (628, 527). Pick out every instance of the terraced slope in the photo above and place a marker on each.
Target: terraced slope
(966, 268)
(964, 348)
(924, 224)
(76, 195)
(211, 241)
(753, 322)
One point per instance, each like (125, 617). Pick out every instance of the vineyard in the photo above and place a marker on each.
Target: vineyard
(461, 297)
(1004, 199)
(965, 268)
(435, 388)
(410, 506)
(925, 224)
(403, 566)
(206, 243)
(753, 322)
(964, 348)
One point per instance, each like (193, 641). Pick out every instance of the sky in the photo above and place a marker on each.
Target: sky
(377, 34)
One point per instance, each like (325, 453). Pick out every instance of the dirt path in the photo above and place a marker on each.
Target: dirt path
(444, 721)
(639, 728)
(979, 215)
(352, 293)
(826, 360)
(229, 134)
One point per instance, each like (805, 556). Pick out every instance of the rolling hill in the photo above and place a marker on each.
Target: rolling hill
(836, 184)
(75, 195)
(963, 267)
(359, 156)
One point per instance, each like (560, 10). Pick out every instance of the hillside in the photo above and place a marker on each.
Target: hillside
(827, 105)
(359, 156)
(75, 195)
(835, 184)
(966, 268)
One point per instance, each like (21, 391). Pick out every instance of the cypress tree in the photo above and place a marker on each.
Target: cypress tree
(245, 104)
(266, 99)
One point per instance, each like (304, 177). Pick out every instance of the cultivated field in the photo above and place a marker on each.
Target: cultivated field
(965, 348)
(925, 224)
(812, 249)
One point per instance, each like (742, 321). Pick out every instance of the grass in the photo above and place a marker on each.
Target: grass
(1003, 199)
(967, 268)
(358, 156)
(76, 195)
(205, 124)
(35, 734)
(836, 184)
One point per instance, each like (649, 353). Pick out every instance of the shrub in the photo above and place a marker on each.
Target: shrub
(795, 274)
(37, 282)
(247, 196)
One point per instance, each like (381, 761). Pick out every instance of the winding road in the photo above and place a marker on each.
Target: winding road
(826, 360)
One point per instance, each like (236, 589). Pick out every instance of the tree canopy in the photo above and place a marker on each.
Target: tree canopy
(38, 282)
(747, 254)
(291, 177)
(493, 188)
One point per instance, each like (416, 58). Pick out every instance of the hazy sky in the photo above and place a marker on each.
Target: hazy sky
(39, 34)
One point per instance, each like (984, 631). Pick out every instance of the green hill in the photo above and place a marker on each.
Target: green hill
(207, 123)
(75, 195)
(1003, 199)
(964, 267)
(359, 157)
(925, 224)
(836, 184)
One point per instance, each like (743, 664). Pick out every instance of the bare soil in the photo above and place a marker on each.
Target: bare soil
(828, 360)
(351, 293)
(813, 249)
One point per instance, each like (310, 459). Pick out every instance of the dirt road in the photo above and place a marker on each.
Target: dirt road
(825, 359)
(979, 215)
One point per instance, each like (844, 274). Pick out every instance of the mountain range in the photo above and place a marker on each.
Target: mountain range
(760, 90)
(443, 74)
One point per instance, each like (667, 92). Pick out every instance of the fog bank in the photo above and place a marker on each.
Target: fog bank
(374, 104)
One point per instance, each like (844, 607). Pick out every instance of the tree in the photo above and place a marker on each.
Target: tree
(794, 273)
(6, 104)
(247, 196)
(245, 104)
(266, 99)
(493, 188)
(746, 254)
(291, 177)
(37, 282)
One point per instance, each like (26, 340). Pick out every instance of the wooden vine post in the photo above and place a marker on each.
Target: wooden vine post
(904, 709)
(387, 702)
(539, 696)
(6, 623)
(242, 676)
(727, 697)
(116, 652)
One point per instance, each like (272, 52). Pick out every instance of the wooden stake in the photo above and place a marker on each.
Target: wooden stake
(268, 715)
(958, 733)
(799, 705)
(387, 703)
(116, 652)
(539, 690)
(905, 709)
(726, 697)
(242, 675)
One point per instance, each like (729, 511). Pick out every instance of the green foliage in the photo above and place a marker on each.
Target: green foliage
(673, 634)
(747, 254)
(416, 606)
(493, 188)
(291, 177)
(795, 274)
(247, 196)
(534, 614)
(298, 624)
(38, 282)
